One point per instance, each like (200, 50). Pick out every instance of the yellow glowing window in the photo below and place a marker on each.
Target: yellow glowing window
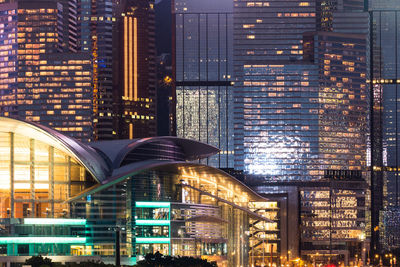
(246, 26)
(251, 36)
(279, 52)
(304, 4)
(259, 20)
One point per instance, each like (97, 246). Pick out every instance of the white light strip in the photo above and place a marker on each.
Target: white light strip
(54, 221)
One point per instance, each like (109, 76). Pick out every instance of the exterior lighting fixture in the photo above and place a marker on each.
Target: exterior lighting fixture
(54, 221)
(42, 240)
(151, 204)
(153, 240)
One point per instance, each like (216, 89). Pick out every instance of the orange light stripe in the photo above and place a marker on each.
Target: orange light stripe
(126, 51)
(135, 65)
(130, 61)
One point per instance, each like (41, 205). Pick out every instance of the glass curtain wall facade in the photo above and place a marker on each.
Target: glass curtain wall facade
(41, 178)
(386, 77)
(333, 221)
(161, 214)
(60, 197)
(280, 135)
(264, 33)
(36, 180)
(203, 64)
(62, 98)
(291, 111)
(385, 80)
(95, 37)
(41, 80)
(289, 96)
(341, 60)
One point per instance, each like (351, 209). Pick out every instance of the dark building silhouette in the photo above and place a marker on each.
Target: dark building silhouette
(384, 85)
(95, 37)
(135, 66)
(166, 124)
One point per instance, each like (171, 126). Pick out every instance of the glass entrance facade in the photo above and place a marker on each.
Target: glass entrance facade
(59, 197)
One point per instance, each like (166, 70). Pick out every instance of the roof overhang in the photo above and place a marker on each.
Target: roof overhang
(117, 150)
(82, 153)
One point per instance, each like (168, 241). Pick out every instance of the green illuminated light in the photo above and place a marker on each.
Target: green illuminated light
(153, 240)
(54, 221)
(42, 240)
(150, 204)
(153, 222)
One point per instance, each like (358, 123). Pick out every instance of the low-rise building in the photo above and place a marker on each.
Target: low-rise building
(68, 200)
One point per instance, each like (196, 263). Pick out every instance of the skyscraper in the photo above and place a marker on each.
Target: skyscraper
(293, 85)
(268, 33)
(42, 79)
(203, 64)
(136, 69)
(95, 37)
(385, 80)
(301, 101)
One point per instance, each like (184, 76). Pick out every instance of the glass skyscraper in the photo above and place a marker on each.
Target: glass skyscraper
(279, 132)
(203, 63)
(386, 77)
(268, 37)
(95, 37)
(42, 78)
(385, 80)
(300, 95)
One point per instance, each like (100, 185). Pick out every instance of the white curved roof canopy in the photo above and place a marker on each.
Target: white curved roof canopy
(82, 153)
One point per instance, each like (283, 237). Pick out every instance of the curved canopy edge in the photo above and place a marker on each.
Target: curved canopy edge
(84, 154)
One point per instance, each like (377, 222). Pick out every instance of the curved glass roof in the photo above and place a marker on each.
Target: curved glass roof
(84, 154)
(103, 158)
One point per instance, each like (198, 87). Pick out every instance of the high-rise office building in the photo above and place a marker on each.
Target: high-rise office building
(42, 79)
(203, 65)
(289, 98)
(385, 80)
(96, 37)
(264, 33)
(136, 69)
(301, 101)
